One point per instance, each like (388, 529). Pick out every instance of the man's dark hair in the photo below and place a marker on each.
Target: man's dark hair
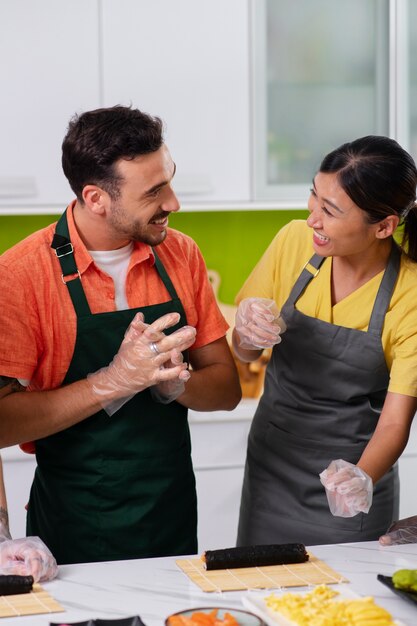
(97, 139)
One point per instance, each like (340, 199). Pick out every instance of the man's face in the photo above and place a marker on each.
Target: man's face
(146, 198)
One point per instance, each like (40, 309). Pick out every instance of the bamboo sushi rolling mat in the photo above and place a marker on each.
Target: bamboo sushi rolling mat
(33, 603)
(312, 572)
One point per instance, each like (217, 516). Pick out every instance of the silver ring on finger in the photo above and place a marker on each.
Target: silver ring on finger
(154, 348)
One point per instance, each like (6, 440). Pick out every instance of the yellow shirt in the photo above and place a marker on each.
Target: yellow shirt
(280, 266)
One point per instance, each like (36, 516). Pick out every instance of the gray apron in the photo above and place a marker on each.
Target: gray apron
(325, 387)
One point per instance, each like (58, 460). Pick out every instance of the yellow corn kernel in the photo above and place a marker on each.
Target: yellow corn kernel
(318, 608)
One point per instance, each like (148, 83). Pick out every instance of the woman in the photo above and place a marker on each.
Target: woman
(341, 388)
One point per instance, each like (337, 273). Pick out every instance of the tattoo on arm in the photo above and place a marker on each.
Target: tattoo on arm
(4, 525)
(4, 516)
(13, 383)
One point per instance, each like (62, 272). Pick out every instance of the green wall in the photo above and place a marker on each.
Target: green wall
(231, 241)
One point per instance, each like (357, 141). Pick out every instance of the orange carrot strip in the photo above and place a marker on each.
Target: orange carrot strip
(202, 619)
(179, 620)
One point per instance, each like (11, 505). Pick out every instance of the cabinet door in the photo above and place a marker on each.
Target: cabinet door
(219, 492)
(219, 453)
(49, 71)
(411, 77)
(18, 469)
(186, 62)
(321, 79)
(407, 465)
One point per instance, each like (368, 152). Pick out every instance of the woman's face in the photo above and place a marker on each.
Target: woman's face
(340, 227)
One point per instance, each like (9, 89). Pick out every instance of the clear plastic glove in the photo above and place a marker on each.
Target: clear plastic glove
(403, 531)
(349, 489)
(258, 324)
(168, 390)
(28, 556)
(139, 361)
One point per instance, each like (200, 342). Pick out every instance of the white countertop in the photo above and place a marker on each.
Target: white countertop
(155, 588)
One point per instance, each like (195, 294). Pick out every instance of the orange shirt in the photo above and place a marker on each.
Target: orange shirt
(38, 322)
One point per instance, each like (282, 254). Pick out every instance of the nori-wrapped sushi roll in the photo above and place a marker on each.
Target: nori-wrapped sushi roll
(11, 584)
(255, 556)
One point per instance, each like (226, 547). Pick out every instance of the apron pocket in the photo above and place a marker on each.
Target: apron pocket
(147, 506)
(285, 471)
(316, 448)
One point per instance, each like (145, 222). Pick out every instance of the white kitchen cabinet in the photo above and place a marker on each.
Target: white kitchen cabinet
(18, 469)
(219, 450)
(408, 471)
(219, 442)
(321, 77)
(49, 69)
(187, 62)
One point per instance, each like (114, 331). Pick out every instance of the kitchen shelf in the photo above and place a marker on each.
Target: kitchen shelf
(185, 208)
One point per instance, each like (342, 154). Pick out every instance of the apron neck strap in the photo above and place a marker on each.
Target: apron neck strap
(309, 271)
(386, 288)
(164, 276)
(64, 251)
(383, 297)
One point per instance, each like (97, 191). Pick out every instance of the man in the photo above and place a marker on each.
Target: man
(23, 557)
(108, 408)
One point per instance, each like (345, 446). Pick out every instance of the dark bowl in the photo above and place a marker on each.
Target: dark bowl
(408, 596)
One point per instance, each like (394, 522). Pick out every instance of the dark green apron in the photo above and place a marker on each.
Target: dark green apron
(119, 487)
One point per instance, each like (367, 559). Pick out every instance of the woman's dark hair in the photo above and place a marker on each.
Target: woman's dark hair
(96, 140)
(381, 178)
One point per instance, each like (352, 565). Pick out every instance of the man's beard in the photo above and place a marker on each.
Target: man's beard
(135, 231)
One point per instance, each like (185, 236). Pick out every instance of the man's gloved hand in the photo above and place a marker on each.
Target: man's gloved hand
(258, 324)
(349, 489)
(28, 556)
(139, 362)
(403, 531)
(167, 391)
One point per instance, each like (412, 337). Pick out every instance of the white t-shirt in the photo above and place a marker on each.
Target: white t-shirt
(115, 264)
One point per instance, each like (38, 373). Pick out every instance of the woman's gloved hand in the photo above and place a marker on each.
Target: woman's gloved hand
(258, 324)
(167, 391)
(28, 556)
(349, 489)
(139, 362)
(403, 531)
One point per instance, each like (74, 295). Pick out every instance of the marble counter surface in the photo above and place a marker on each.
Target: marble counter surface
(154, 588)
